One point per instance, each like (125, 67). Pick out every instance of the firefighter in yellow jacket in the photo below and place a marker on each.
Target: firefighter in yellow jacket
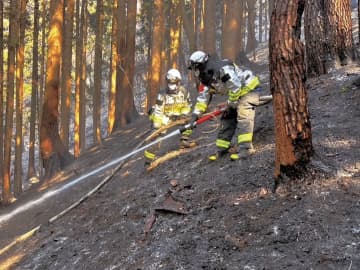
(172, 104)
(242, 88)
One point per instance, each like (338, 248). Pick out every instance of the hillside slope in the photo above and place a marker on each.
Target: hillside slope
(189, 213)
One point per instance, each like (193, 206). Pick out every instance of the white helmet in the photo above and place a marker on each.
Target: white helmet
(197, 58)
(173, 76)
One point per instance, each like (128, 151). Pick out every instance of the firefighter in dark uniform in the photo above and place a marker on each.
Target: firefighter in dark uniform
(172, 104)
(242, 89)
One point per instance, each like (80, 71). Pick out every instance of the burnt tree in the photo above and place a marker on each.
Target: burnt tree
(292, 120)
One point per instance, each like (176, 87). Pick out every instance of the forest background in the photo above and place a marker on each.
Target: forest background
(73, 72)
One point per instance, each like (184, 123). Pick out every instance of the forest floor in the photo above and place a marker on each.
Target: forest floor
(190, 213)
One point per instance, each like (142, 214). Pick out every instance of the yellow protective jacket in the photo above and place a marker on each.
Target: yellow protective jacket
(170, 106)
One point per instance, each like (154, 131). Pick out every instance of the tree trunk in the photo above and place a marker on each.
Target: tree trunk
(230, 30)
(34, 92)
(126, 108)
(114, 62)
(339, 30)
(261, 7)
(97, 73)
(80, 102)
(188, 17)
(66, 73)
(287, 73)
(1, 89)
(13, 39)
(19, 101)
(315, 38)
(42, 79)
(156, 47)
(175, 35)
(54, 154)
(251, 39)
(210, 27)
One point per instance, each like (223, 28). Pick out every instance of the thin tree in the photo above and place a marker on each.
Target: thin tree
(81, 27)
(66, 81)
(287, 72)
(34, 92)
(1, 88)
(19, 100)
(156, 47)
(12, 41)
(53, 152)
(97, 73)
(114, 62)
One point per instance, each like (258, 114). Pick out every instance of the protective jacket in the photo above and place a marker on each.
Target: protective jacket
(223, 77)
(170, 106)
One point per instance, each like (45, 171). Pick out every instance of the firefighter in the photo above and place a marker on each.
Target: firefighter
(173, 103)
(242, 88)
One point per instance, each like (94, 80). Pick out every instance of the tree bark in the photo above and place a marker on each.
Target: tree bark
(287, 73)
(12, 41)
(34, 92)
(54, 155)
(339, 30)
(210, 27)
(97, 73)
(156, 48)
(66, 81)
(126, 108)
(114, 62)
(19, 100)
(315, 38)
(1, 89)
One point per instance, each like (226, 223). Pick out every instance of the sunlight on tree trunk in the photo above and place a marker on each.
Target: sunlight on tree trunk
(1, 89)
(113, 64)
(13, 34)
(54, 154)
(156, 47)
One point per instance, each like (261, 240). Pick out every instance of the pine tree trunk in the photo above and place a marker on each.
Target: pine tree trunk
(315, 38)
(339, 30)
(114, 62)
(230, 29)
(251, 39)
(97, 73)
(1, 89)
(156, 48)
(54, 155)
(34, 92)
(19, 101)
(66, 81)
(287, 73)
(175, 35)
(126, 108)
(13, 39)
(188, 17)
(210, 27)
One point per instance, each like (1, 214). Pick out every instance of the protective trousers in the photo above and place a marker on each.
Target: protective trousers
(242, 117)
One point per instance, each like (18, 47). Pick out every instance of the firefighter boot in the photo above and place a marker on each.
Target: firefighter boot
(243, 153)
(218, 155)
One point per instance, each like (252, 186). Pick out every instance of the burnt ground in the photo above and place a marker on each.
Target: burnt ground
(189, 213)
